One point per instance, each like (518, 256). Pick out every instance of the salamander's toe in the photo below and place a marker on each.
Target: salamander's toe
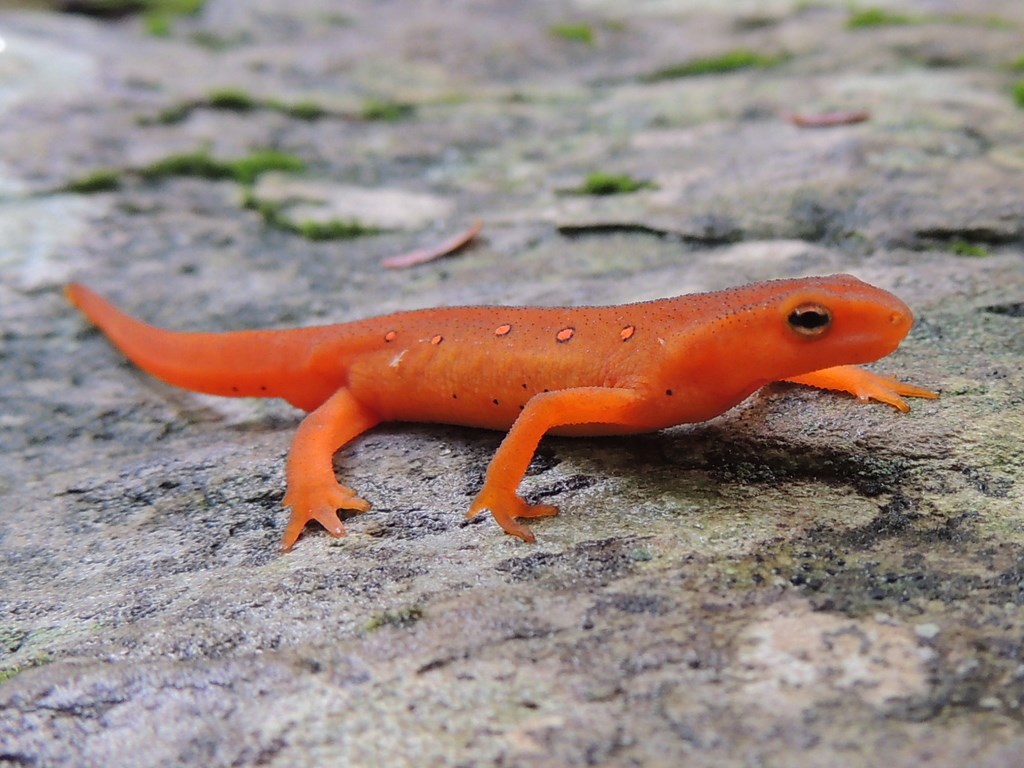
(538, 510)
(506, 507)
(319, 504)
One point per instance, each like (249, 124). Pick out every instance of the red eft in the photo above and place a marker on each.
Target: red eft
(566, 370)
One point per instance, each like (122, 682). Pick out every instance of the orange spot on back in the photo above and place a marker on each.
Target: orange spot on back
(503, 330)
(627, 333)
(390, 336)
(565, 334)
(437, 339)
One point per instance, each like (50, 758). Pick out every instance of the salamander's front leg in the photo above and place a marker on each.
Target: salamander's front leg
(583, 405)
(864, 385)
(313, 491)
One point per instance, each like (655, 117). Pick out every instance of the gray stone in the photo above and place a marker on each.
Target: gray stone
(763, 589)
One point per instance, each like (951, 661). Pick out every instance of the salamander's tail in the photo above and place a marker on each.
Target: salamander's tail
(234, 364)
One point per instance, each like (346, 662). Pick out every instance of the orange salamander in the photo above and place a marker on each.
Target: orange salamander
(529, 370)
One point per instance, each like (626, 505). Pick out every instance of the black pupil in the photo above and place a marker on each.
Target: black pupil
(810, 319)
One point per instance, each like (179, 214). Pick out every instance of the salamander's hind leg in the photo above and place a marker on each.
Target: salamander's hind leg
(313, 491)
(583, 405)
(864, 385)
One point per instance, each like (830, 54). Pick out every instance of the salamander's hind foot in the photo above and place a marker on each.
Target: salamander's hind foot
(506, 507)
(320, 503)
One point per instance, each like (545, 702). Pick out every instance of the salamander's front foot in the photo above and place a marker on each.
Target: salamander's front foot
(320, 503)
(506, 507)
(864, 385)
(886, 389)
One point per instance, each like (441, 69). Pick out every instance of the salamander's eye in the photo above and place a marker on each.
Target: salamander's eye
(810, 320)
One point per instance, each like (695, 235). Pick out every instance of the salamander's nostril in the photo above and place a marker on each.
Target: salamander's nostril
(896, 318)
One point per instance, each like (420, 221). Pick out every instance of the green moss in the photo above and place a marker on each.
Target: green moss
(964, 248)
(1018, 93)
(245, 169)
(303, 110)
(12, 640)
(405, 617)
(103, 180)
(170, 116)
(269, 211)
(112, 8)
(176, 7)
(188, 164)
(600, 183)
(158, 24)
(730, 61)
(238, 100)
(338, 20)
(159, 14)
(877, 17)
(241, 101)
(641, 555)
(388, 111)
(211, 40)
(755, 21)
(578, 33)
(12, 672)
(989, 21)
(234, 99)
(333, 229)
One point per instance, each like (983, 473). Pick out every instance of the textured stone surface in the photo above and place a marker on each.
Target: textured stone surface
(805, 581)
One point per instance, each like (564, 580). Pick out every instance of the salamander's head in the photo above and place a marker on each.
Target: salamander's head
(834, 321)
(746, 337)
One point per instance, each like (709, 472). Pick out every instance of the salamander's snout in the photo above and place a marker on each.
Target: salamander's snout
(900, 316)
(901, 319)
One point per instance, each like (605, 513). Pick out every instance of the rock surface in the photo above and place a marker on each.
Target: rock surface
(804, 581)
